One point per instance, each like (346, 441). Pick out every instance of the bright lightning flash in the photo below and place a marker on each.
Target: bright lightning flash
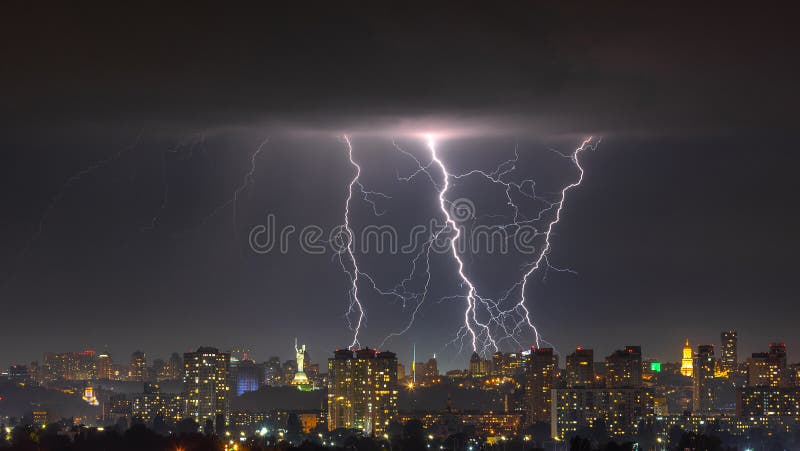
(487, 321)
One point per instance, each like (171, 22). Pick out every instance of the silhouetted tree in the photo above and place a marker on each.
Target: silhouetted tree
(187, 426)
(579, 444)
(413, 435)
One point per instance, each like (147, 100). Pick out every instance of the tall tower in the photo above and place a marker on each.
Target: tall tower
(728, 355)
(704, 379)
(687, 368)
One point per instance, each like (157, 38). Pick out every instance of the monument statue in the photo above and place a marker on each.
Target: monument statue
(300, 378)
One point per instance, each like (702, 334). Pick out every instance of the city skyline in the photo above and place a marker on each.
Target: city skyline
(262, 356)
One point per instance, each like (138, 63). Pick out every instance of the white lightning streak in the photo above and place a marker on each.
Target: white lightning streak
(575, 157)
(509, 321)
(247, 180)
(487, 321)
(470, 314)
(355, 302)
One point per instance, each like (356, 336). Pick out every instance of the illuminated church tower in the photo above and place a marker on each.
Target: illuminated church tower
(686, 362)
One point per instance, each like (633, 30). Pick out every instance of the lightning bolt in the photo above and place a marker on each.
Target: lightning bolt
(164, 196)
(543, 256)
(487, 322)
(346, 255)
(62, 192)
(247, 180)
(471, 322)
(75, 178)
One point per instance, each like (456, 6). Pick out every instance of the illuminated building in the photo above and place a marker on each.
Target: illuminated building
(703, 393)
(768, 401)
(580, 368)
(273, 373)
(478, 367)
(401, 371)
(362, 390)
(248, 376)
(19, 374)
(118, 407)
(794, 375)
(40, 417)
(151, 404)
(85, 365)
(68, 366)
(60, 366)
(138, 369)
(88, 395)
(660, 408)
(540, 379)
(687, 361)
(620, 409)
(507, 364)
(650, 370)
(624, 368)
(768, 369)
(104, 367)
(312, 371)
(205, 381)
(728, 358)
(289, 370)
(172, 369)
(431, 369)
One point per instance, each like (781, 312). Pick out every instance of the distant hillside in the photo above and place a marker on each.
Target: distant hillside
(289, 398)
(18, 401)
(423, 398)
(436, 397)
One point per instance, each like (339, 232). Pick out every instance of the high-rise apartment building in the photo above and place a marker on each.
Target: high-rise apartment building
(362, 390)
(478, 367)
(138, 370)
(206, 384)
(580, 368)
(768, 369)
(541, 372)
(728, 357)
(248, 376)
(703, 390)
(619, 410)
(507, 364)
(624, 368)
(104, 367)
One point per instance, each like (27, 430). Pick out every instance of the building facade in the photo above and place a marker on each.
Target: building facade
(624, 368)
(703, 389)
(541, 373)
(687, 360)
(362, 390)
(728, 358)
(619, 409)
(206, 384)
(580, 368)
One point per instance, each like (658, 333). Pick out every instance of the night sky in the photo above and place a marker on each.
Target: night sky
(684, 226)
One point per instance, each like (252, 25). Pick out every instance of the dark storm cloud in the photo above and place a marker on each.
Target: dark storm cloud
(685, 221)
(565, 68)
